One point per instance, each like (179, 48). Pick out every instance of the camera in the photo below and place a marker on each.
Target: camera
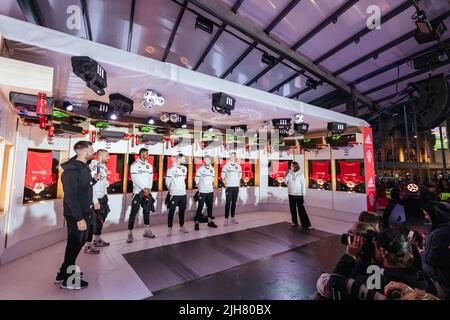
(367, 237)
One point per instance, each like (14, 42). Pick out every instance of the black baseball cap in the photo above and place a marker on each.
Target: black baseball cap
(394, 242)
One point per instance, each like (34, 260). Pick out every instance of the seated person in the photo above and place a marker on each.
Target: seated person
(394, 259)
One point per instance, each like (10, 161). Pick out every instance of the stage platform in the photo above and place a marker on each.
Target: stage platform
(262, 257)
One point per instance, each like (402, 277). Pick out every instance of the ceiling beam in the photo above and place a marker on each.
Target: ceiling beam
(291, 5)
(317, 29)
(281, 84)
(130, 28)
(399, 62)
(31, 12)
(406, 77)
(248, 28)
(386, 47)
(385, 18)
(298, 93)
(174, 31)
(213, 41)
(87, 20)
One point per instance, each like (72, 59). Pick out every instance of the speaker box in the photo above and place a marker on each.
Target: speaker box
(432, 106)
(151, 139)
(68, 130)
(112, 136)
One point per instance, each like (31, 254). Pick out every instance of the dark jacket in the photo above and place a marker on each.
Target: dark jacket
(437, 249)
(77, 185)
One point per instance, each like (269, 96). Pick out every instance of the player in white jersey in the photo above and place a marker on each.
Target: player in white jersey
(176, 183)
(204, 179)
(142, 176)
(100, 200)
(231, 178)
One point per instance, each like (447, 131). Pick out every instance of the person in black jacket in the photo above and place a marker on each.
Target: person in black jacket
(394, 262)
(436, 258)
(78, 206)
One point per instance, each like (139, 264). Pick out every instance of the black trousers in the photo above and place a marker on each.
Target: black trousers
(138, 201)
(296, 206)
(174, 202)
(204, 198)
(75, 242)
(231, 199)
(101, 214)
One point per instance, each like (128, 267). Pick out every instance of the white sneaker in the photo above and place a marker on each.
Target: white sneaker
(148, 234)
(169, 232)
(130, 238)
(183, 230)
(234, 221)
(225, 223)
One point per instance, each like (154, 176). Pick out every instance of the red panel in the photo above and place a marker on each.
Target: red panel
(39, 174)
(369, 168)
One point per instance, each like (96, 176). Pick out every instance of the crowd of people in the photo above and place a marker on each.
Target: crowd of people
(389, 257)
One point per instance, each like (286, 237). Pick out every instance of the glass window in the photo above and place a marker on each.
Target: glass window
(248, 173)
(154, 161)
(277, 171)
(319, 174)
(41, 175)
(350, 176)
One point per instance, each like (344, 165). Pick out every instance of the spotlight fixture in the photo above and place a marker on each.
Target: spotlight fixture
(311, 83)
(68, 106)
(181, 121)
(290, 131)
(174, 117)
(357, 40)
(336, 127)
(152, 98)
(91, 72)
(120, 103)
(151, 121)
(281, 122)
(299, 117)
(335, 20)
(98, 108)
(266, 125)
(204, 24)
(222, 103)
(239, 129)
(268, 59)
(165, 117)
(113, 116)
(210, 128)
(301, 128)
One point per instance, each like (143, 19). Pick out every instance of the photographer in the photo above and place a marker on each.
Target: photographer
(436, 258)
(393, 255)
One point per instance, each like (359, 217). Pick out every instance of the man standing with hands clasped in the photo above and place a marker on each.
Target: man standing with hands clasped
(78, 194)
(231, 177)
(176, 183)
(142, 176)
(204, 179)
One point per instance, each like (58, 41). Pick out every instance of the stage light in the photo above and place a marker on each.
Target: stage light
(301, 128)
(67, 106)
(311, 83)
(210, 129)
(181, 121)
(222, 103)
(281, 122)
(152, 98)
(427, 31)
(165, 117)
(174, 118)
(120, 103)
(291, 131)
(268, 59)
(204, 24)
(91, 72)
(98, 108)
(151, 121)
(336, 127)
(266, 125)
(241, 128)
(299, 118)
(184, 126)
(113, 116)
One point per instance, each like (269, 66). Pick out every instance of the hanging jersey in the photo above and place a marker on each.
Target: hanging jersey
(175, 180)
(141, 175)
(204, 179)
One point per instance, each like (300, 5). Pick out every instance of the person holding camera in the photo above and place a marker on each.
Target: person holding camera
(204, 179)
(393, 258)
(142, 176)
(296, 186)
